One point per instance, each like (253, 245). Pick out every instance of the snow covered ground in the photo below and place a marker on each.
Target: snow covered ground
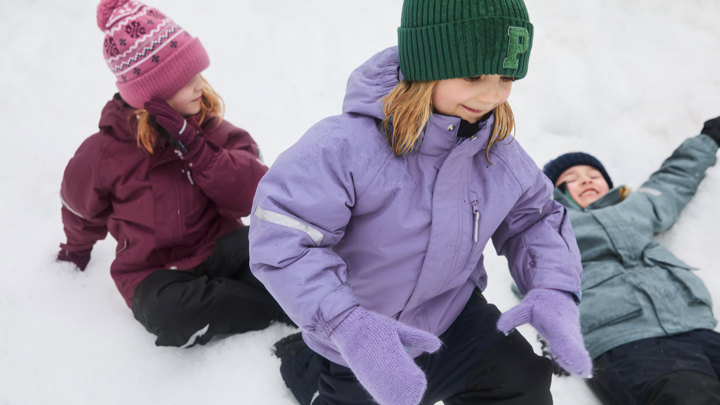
(626, 81)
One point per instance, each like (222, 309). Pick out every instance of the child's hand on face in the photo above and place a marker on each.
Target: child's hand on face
(182, 136)
(166, 116)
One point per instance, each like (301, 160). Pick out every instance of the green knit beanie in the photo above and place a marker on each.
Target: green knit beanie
(445, 39)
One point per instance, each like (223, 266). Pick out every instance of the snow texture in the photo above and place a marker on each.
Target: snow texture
(625, 81)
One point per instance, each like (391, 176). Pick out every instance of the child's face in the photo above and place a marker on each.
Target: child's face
(471, 98)
(187, 100)
(584, 183)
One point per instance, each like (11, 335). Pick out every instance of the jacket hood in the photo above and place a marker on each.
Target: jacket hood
(372, 81)
(116, 120)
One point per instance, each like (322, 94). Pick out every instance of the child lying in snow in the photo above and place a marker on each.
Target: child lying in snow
(646, 319)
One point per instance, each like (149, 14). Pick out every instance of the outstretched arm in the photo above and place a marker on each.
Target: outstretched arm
(666, 193)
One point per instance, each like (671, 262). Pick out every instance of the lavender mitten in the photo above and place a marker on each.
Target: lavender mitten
(374, 347)
(555, 316)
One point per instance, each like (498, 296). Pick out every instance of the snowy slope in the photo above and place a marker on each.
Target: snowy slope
(626, 81)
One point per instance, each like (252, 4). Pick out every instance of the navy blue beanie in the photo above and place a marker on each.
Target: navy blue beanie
(554, 168)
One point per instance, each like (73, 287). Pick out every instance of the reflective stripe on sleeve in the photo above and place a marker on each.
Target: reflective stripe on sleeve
(284, 220)
(651, 191)
(69, 208)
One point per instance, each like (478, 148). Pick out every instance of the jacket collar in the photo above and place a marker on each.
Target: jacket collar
(374, 79)
(609, 199)
(440, 135)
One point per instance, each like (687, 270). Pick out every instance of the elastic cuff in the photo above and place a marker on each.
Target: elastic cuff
(334, 323)
(333, 309)
(71, 248)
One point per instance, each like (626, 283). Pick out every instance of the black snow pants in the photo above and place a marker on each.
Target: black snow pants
(476, 365)
(670, 370)
(218, 297)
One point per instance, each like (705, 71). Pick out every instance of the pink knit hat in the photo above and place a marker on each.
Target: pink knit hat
(150, 54)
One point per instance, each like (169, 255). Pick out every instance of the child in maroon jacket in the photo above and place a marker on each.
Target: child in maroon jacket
(170, 180)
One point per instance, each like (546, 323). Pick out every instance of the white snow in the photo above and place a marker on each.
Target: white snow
(624, 80)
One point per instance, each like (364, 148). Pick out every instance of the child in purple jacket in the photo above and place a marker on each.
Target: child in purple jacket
(370, 230)
(170, 180)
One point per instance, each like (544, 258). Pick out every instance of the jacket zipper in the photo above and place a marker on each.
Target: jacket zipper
(476, 220)
(186, 170)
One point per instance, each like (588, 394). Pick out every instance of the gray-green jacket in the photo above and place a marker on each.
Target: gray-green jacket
(632, 287)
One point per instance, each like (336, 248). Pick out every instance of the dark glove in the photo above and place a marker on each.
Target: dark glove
(712, 129)
(79, 259)
(182, 136)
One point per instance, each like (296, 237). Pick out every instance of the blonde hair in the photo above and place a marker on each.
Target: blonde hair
(408, 107)
(147, 132)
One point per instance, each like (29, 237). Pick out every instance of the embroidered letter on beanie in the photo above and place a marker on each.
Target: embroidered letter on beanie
(518, 44)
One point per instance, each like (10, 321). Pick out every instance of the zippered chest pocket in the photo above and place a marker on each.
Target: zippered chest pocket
(473, 247)
(469, 250)
(476, 221)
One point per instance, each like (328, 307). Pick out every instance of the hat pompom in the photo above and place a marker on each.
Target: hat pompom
(105, 10)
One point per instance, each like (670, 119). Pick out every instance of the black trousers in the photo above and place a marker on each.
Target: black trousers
(476, 365)
(676, 369)
(218, 297)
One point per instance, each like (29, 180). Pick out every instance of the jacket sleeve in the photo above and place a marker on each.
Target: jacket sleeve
(537, 238)
(229, 169)
(666, 193)
(85, 200)
(300, 213)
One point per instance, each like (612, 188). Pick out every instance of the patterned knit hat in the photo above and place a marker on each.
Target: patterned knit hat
(445, 39)
(554, 168)
(150, 54)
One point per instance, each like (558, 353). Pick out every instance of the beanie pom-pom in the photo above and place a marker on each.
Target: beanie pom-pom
(105, 10)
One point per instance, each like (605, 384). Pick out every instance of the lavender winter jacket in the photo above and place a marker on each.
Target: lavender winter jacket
(162, 214)
(339, 221)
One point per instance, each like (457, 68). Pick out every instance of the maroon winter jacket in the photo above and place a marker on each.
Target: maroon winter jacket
(163, 212)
